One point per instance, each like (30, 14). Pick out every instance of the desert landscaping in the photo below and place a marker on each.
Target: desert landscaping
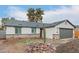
(38, 46)
(37, 32)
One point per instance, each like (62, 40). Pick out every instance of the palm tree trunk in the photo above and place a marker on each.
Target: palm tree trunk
(40, 32)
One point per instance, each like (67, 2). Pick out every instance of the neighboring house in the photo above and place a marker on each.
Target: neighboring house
(76, 32)
(23, 29)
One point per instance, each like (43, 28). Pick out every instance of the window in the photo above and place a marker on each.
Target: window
(34, 30)
(18, 30)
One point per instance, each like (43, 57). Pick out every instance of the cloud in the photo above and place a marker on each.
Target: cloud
(16, 13)
(71, 13)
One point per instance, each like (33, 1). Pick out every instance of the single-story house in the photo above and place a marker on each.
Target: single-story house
(22, 29)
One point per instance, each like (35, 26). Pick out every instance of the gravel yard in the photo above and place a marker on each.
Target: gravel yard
(37, 46)
(17, 46)
(69, 47)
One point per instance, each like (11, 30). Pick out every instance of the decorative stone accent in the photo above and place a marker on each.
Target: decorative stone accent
(40, 48)
(55, 36)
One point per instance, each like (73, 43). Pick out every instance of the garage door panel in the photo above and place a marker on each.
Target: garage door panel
(66, 33)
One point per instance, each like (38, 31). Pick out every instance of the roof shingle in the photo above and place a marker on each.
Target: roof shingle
(32, 24)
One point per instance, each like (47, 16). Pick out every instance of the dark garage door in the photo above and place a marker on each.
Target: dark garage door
(66, 33)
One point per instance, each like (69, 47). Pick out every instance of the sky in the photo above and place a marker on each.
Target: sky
(52, 13)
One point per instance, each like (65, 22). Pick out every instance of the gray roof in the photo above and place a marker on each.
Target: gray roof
(59, 22)
(54, 23)
(32, 24)
(23, 24)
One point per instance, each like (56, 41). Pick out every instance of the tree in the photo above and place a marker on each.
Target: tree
(39, 14)
(35, 16)
(12, 19)
(5, 19)
(31, 14)
(8, 19)
(39, 18)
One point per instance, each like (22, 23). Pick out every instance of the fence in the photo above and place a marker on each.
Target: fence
(2, 34)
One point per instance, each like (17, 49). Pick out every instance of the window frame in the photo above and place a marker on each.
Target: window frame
(33, 30)
(17, 30)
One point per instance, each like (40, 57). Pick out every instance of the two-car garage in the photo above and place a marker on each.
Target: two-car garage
(66, 33)
(60, 30)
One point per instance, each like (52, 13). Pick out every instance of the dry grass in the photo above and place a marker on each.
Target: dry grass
(17, 46)
(30, 41)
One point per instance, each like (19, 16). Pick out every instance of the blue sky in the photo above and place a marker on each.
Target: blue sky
(4, 8)
(51, 12)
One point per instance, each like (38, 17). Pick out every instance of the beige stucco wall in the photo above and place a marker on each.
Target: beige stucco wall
(26, 30)
(65, 25)
(26, 33)
(49, 32)
(11, 30)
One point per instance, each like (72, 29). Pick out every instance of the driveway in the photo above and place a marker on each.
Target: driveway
(57, 42)
(69, 47)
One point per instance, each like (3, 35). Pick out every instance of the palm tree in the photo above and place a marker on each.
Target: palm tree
(30, 14)
(39, 18)
(35, 16)
(38, 14)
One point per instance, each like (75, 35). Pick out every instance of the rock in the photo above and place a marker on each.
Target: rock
(39, 48)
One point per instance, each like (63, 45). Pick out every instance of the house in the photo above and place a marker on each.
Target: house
(23, 29)
(76, 31)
